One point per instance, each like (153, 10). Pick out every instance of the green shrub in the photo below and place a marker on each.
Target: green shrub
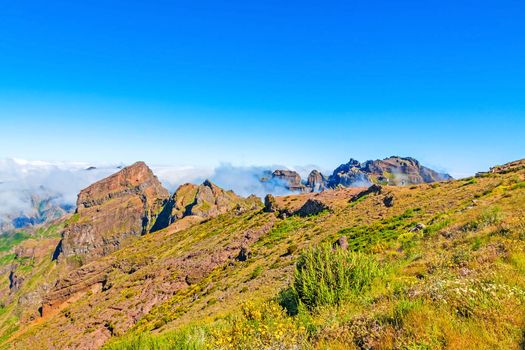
(324, 276)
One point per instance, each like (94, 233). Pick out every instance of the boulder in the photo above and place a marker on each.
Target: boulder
(388, 201)
(342, 243)
(374, 189)
(312, 207)
(270, 205)
(417, 227)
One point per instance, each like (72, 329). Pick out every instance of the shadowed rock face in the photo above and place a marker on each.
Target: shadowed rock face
(112, 211)
(349, 175)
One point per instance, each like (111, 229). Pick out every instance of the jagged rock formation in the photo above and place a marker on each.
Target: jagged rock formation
(374, 189)
(206, 200)
(349, 175)
(394, 170)
(291, 179)
(316, 181)
(113, 211)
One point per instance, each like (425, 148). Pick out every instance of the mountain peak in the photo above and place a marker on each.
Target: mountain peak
(112, 211)
(135, 178)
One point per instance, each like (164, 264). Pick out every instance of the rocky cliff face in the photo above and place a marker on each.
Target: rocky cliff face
(316, 181)
(290, 178)
(113, 211)
(394, 170)
(205, 201)
(401, 171)
(349, 175)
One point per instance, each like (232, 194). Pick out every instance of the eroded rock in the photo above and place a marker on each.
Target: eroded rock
(312, 207)
(112, 212)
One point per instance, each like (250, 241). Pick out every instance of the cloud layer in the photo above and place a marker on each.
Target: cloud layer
(20, 180)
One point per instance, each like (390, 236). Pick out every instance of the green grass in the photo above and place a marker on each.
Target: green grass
(186, 339)
(518, 185)
(361, 238)
(7, 259)
(8, 241)
(282, 230)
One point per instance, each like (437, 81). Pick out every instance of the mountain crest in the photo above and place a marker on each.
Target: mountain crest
(112, 212)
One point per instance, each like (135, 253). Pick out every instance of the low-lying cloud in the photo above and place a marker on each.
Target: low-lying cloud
(21, 180)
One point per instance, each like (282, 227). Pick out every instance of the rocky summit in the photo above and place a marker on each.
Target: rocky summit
(396, 171)
(316, 181)
(204, 201)
(112, 212)
(290, 178)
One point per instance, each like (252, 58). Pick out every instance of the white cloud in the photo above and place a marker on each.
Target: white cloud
(20, 179)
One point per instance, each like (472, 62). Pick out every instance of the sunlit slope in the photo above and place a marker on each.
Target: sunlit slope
(451, 274)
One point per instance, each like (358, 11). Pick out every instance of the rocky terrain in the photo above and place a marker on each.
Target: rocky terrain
(137, 268)
(112, 212)
(394, 170)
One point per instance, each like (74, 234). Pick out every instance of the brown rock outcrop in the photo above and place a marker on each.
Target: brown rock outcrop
(112, 211)
(316, 181)
(291, 179)
(312, 207)
(374, 189)
(206, 200)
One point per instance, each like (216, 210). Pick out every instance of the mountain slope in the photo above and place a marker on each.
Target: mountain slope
(452, 276)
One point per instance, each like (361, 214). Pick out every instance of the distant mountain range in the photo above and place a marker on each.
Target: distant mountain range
(43, 206)
(394, 171)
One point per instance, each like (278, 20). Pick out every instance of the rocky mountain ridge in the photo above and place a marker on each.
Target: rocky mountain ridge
(234, 252)
(132, 202)
(394, 171)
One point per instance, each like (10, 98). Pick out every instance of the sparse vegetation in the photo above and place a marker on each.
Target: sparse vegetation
(443, 268)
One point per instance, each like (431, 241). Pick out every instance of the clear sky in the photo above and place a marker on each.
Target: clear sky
(263, 82)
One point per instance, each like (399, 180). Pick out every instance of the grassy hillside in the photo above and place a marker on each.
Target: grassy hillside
(441, 268)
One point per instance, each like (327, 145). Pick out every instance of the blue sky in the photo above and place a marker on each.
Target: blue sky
(268, 82)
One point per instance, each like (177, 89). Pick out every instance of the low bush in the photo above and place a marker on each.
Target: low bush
(326, 276)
